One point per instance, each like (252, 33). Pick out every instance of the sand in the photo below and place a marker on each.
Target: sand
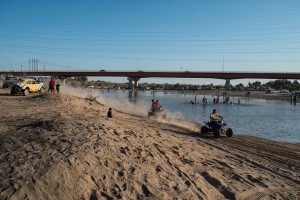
(64, 147)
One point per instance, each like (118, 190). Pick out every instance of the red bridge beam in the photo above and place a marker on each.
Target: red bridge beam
(142, 74)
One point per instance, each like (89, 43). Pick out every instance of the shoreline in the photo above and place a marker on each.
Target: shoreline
(66, 148)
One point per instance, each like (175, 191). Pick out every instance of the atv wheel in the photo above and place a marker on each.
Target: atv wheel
(150, 113)
(26, 92)
(216, 133)
(204, 130)
(229, 132)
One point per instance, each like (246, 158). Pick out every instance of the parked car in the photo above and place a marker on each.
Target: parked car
(270, 90)
(9, 81)
(296, 92)
(26, 86)
(284, 91)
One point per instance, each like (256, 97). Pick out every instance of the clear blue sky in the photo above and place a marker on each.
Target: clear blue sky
(168, 35)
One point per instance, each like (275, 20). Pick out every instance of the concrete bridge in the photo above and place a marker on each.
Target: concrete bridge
(135, 76)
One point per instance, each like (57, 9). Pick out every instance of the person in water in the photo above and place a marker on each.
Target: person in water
(204, 100)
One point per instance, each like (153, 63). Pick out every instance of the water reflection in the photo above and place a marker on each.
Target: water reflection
(132, 94)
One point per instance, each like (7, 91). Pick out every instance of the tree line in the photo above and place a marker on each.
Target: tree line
(257, 85)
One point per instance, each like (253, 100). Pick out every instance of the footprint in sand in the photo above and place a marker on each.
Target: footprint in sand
(131, 170)
(158, 169)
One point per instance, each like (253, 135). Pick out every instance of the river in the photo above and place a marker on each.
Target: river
(271, 119)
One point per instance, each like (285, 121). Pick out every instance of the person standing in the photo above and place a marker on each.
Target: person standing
(41, 84)
(57, 87)
(51, 85)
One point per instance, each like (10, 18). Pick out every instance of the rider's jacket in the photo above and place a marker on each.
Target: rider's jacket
(213, 116)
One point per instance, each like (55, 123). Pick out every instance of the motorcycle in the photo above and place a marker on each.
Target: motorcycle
(217, 127)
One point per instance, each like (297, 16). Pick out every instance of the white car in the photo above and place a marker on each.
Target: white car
(284, 91)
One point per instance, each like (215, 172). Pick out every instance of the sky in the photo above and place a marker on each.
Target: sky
(156, 35)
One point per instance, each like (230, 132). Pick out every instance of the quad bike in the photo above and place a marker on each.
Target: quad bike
(217, 128)
(157, 112)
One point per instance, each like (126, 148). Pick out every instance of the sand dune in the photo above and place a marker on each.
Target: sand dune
(64, 147)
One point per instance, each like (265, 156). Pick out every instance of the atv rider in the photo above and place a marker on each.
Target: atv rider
(155, 105)
(214, 119)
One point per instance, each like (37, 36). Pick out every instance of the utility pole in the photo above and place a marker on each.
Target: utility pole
(223, 65)
(21, 68)
(33, 64)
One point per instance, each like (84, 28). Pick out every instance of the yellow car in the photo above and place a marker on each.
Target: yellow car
(27, 86)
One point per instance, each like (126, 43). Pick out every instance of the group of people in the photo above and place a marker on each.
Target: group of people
(155, 105)
(53, 86)
(216, 100)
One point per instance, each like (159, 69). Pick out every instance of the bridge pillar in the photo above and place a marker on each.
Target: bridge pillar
(135, 80)
(227, 84)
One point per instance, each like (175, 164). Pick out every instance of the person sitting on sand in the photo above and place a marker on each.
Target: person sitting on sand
(214, 117)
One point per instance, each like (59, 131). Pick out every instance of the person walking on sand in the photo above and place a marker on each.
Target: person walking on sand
(57, 87)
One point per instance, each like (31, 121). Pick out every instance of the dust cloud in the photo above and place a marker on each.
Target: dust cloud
(124, 105)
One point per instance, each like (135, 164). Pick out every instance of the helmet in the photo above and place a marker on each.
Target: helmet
(214, 110)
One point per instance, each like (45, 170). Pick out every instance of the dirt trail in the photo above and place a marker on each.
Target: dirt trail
(63, 147)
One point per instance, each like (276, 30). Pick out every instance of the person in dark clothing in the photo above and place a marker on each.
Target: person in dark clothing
(57, 87)
(109, 113)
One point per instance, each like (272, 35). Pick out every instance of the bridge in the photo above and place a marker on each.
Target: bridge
(137, 75)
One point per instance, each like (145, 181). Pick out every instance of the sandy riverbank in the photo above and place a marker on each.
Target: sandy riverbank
(64, 147)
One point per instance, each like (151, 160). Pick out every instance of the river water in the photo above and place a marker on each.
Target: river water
(271, 119)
